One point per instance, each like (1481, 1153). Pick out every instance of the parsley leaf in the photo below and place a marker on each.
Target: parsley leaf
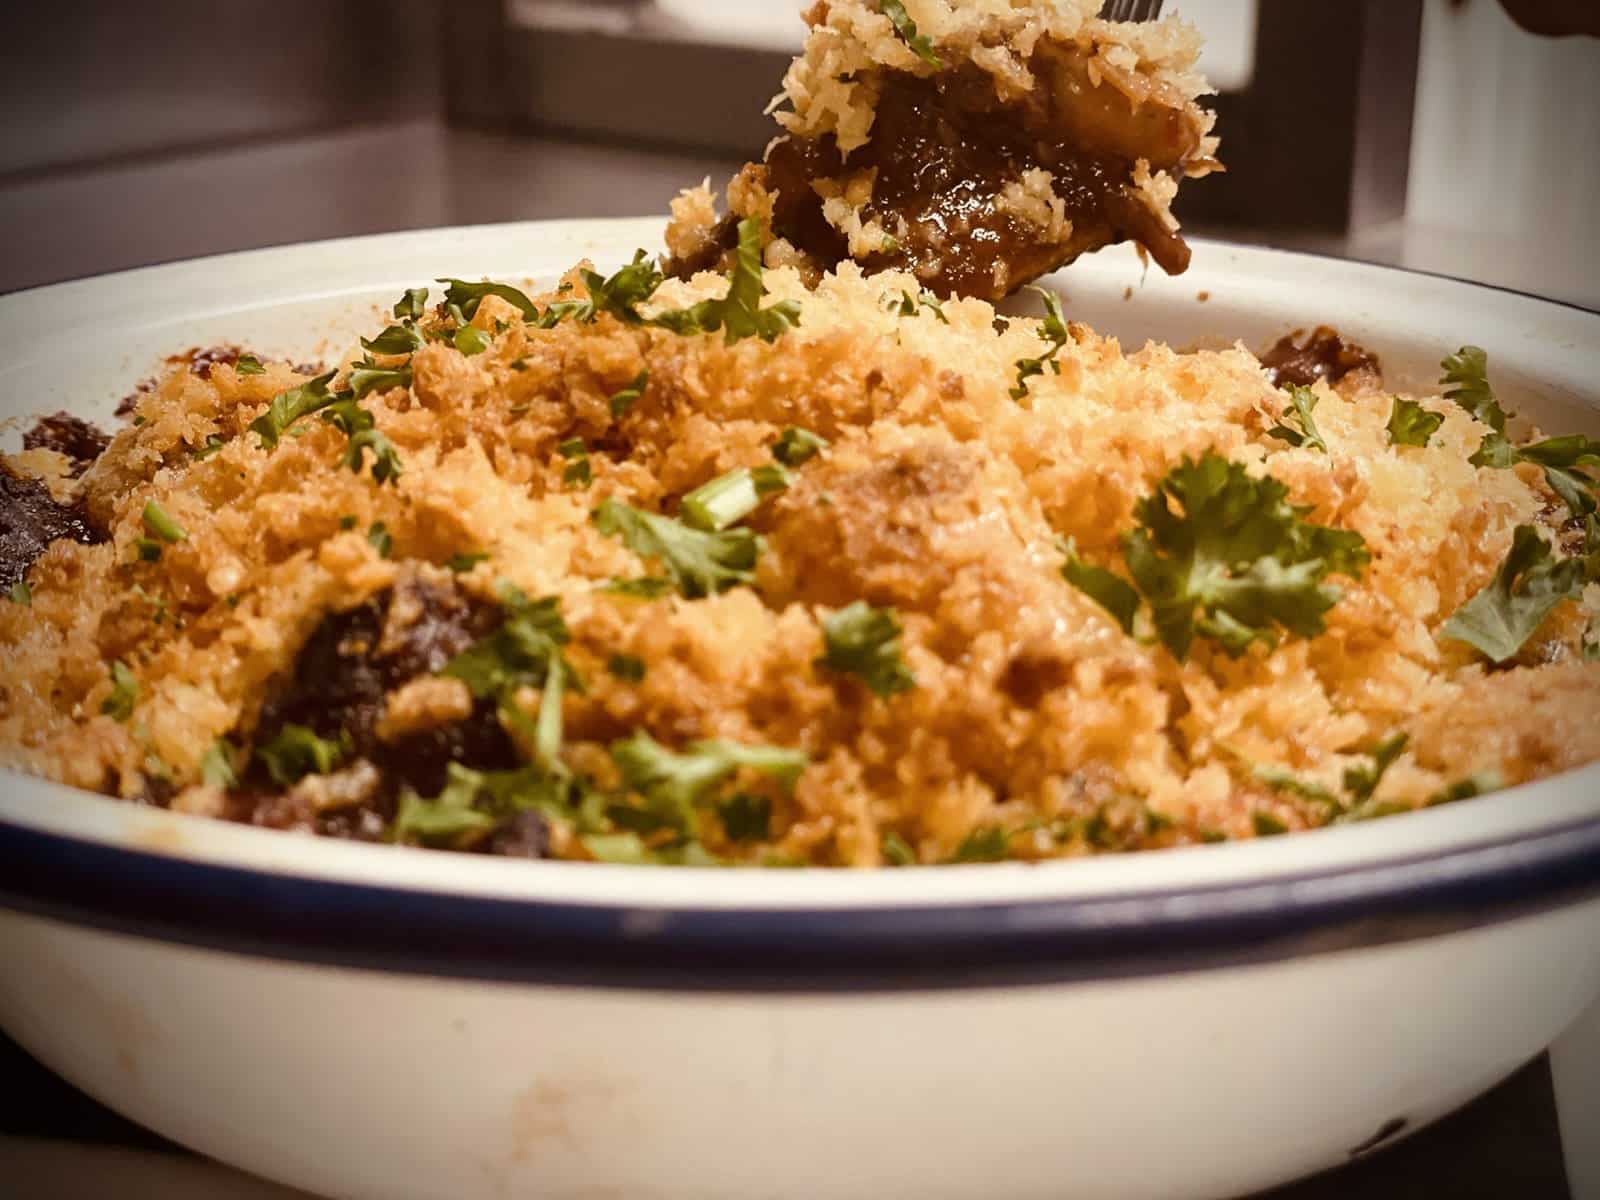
(1361, 782)
(1054, 330)
(124, 693)
(1480, 783)
(897, 852)
(1529, 583)
(471, 340)
(378, 538)
(517, 654)
(212, 444)
(578, 470)
(1107, 589)
(739, 313)
(466, 297)
(217, 766)
(1267, 825)
(1306, 436)
(296, 752)
(446, 817)
(623, 400)
(908, 305)
(865, 641)
(1466, 371)
(366, 379)
(744, 817)
(289, 406)
(650, 587)
(358, 425)
(160, 525)
(396, 339)
(795, 446)
(21, 594)
(622, 293)
(674, 783)
(248, 364)
(700, 563)
(460, 564)
(921, 46)
(1410, 424)
(411, 305)
(732, 497)
(985, 844)
(1232, 564)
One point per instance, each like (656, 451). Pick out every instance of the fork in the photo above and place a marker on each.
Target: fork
(1131, 10)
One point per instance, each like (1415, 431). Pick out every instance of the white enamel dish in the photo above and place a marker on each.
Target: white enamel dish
(373, 1022)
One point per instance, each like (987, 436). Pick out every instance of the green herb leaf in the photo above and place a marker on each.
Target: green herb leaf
(520, 653)
(1566, 461)
(1410, 424)
(1235, 560)
(908, 305)
(739, 313)
(147, 549)
(673, 783)
(1267, 825)
(626, 667)
(745, 818)
(985, 844)
(249, 364)
(462, 563)
(1306, 436)
(921, 46)
(624, 400)
(1479, 784)
(650, 587)
(471, 340)
(124, 693)
(217, 766)
(1530, 582)
(212, 444)
(21, 594)
(447, 817)
(1054, 330)
(290, 406)
(1466, 372)
(732, 497)
(466, 297)
(897, 852)
(700, 563)
(1361, 782)
(795, 446)
(396, 339)
(578, 470)
(160, 525)
(1107, 589)
(358, 425)
(378, 538)
(864, 641)
(412, 305)
(296, 752)
(622, 293)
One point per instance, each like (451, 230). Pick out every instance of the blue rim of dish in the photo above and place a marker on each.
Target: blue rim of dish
(917, 947)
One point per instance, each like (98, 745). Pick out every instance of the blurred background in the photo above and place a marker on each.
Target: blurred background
(1429, 133)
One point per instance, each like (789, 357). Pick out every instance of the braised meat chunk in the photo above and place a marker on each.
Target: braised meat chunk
(979, 153)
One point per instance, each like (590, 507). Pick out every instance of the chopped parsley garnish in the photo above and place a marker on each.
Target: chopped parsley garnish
(1233, 562)
(673, 783)
(297, 752)
(624, 400)
(473, 802)
(985, 844)
(908, 305)
(466, 297)
(1306, 436)
(1054, 331)
(147, 549)
(1480, 783)
(795, 446)
(358, 425)
(412, 305)
(160, 525)
(212, 444)
(578, 470)
(864, 641)
(1467, 374)
(290, 406)
(1106, 588)
(462, 563)
(745, 817)
(158, 604)
(700, 563)
(124, 693)
(217, 766)
(21, 594)
(732, 497)
(471, 340)
(348, 521)
(622, 293)
(739, 313)
(1529, 583)
(897, 852)
(1267, 825)
(366, 379)
(396, 339)
(626, 667)
(921, 46)
(649, 587)
(378, 538)
(249, 364)
(1410, 424)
